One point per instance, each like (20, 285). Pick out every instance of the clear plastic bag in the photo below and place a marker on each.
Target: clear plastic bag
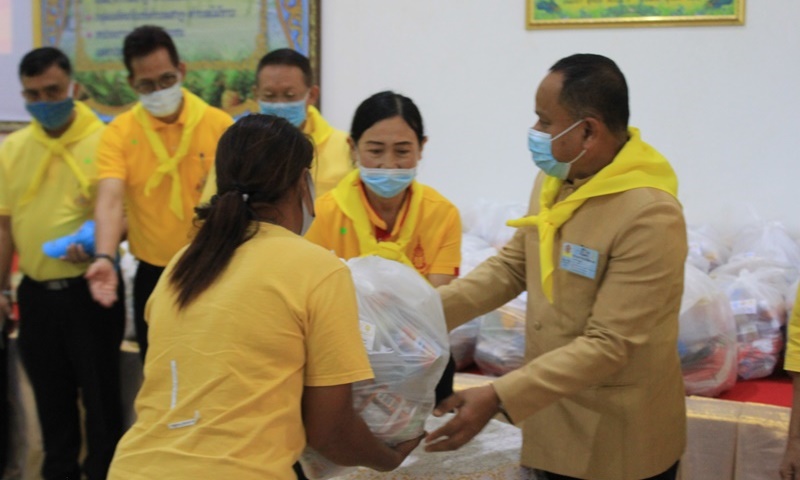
(767, 240)
(404, 332)
(760, 312)
(501, 339)
(707, 337)
(487, 220)
(463, 338)
(707, 250)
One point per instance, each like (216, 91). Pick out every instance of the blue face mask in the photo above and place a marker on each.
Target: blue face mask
(541, 146)
(387, 182)
(52, 115)
(294, 112)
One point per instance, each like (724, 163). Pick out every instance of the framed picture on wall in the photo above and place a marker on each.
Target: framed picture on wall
(632, 13)
(221, 43)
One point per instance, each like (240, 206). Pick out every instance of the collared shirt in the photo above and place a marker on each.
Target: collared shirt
(331, 156)
(435, 246)
(59, 208)
(155, 233)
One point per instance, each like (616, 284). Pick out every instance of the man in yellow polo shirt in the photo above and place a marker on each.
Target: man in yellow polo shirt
(285, 88)
(68, 343)
(153, 163)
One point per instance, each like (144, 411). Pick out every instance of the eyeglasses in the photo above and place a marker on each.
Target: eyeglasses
(149, 86)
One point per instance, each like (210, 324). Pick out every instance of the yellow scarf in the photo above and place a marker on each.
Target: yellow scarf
(348, 196)
(85, 124)
(316, 126)
(168, 165)
(637, 165)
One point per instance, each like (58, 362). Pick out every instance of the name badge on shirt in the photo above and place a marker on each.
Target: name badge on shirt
(579, 260)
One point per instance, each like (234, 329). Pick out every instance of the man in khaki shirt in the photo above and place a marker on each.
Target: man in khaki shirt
(601, 255)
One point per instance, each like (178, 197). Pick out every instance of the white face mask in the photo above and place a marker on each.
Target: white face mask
(308, 218)
(163, 103)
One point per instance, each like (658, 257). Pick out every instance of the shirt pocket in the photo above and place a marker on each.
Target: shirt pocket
(194, 170)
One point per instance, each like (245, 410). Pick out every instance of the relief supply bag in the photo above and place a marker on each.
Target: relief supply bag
(404, 332)
(707, 336)
(474, 250)
(759, 310)
(501, 338)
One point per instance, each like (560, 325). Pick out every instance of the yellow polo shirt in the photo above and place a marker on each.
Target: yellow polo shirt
(792, 360)
(59, 207)
(224, 377)
(155, 233)
(331, 156)
(435, 246)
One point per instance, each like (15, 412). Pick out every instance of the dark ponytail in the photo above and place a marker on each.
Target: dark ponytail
(259, 159)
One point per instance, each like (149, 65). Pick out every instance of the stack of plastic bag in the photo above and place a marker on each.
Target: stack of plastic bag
(707, 250)
(487, 220)
(707, 338)
(463, 338)
(759, 310)
(404, 332)
(767, 244)
(501, 338)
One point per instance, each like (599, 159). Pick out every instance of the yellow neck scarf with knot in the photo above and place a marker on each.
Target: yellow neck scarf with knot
(637, 165)
(84, 124)
(194, 109)
(348, 196)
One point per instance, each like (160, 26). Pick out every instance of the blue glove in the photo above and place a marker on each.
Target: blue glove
(84, 237)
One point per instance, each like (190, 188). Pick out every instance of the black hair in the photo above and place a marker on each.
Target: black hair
(288, 57)
(143, 41)
(594, 86)
(385, 105)
(38, 60)
(260, 159)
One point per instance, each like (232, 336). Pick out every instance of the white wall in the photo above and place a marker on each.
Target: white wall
(721, 102)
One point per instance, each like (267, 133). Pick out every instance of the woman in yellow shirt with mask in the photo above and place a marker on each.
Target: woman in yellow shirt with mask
(254, 333)
(381, 209)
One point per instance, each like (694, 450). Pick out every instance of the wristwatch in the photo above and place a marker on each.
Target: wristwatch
(107, 257)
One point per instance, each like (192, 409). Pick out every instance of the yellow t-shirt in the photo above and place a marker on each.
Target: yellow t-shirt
(435, 246)
(331, 156)
(59, 207)
(155, 233)
(233, 364)
(792, 360)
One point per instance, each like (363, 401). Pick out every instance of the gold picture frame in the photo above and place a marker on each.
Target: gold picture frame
(544, 14)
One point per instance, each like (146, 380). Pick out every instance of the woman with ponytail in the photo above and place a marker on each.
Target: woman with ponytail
(254, 335)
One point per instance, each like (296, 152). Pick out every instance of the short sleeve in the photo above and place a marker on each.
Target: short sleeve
(448, 259)
(336, 353)
(5, 201)
(110, 152)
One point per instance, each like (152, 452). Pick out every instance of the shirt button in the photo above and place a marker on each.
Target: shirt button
(537, 325)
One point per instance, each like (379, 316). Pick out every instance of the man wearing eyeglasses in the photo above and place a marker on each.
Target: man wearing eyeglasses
(153, 162)
(67, 342)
